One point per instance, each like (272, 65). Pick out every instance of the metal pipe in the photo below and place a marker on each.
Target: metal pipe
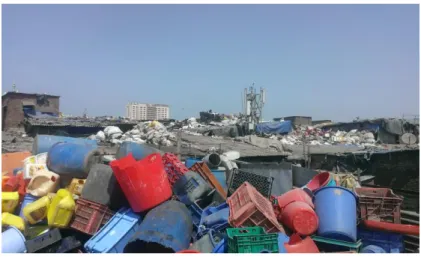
(213, 160)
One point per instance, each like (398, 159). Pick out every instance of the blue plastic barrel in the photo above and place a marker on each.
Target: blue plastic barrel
(221, 176)
(191, 161)
(26, 200)
(12, 241)
(373, 249)
(169, 225)
(336, 208)
(43, 143)
(72, 159)
(139, 151)
(115, 234)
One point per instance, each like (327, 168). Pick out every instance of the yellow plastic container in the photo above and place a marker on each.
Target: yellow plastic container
(61, 209)
(42, 183)
(9, 201)
(37, 211)
(8, 219)
(76, 186)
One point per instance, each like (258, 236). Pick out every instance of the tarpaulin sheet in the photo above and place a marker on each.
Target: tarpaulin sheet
(283, 127)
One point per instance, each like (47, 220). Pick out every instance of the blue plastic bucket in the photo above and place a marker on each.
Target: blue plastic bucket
(26, 200)
(169, 225)
(13, 241)
(336, 208)
(139, 151)
(72, 159)
(191, 161)
(221, 176)
(373, 249)
(43, 143)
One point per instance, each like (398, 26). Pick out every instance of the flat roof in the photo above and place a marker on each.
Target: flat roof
(27, 94)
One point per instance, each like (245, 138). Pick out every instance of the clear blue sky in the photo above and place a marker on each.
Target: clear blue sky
(326, 61)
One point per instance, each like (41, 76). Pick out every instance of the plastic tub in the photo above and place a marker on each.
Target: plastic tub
(114, 236)
(72, 159)
(61, 209)
(139, 151)
(37, 211)
(336, 208)
(144, 182)
(294, 195)
(9, 201)
(26, 200)
(190, 187)
(321, 180)
(298, 245)
(43, 183)
(12, 241)
(43, 143)
(372, 249)
(169, 225)
(8, 219)
(300, 217)
(190, 162)
(102, 187)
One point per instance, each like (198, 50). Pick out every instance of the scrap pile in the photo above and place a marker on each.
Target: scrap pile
(152, 132)
(66, 199)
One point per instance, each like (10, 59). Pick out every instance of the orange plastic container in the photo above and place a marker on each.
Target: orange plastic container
(144, 182)
(300, 217)
(294, 195)
(298, 245)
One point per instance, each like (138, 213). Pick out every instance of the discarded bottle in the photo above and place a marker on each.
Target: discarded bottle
(43, 183)
(9, 201)
(37, 211)
(8, 219)
(26, 200)
(61, 209)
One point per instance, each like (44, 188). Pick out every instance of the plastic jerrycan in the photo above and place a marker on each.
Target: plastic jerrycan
(8, 219)
(9, 201)
(37, 211)
(42, 183)
(61, 209)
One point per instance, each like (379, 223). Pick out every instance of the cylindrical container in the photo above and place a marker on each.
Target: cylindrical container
(43, 183)
(336, 208)
(13, 241)
(8, 219)
(61, 209)
(26, 200)
(212, 160)
(319, 181)
(144, 183)
(169, 224)
(139, 151)
(298, 245)
(9, 201)
(190, 187)
(37, 211)
(300, 217)
(72, 159)
(295, 195)
(190, 162)
(372, 249)
(43, 143)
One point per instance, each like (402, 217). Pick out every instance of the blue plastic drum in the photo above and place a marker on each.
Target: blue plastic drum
(43, 143)
(336, 208)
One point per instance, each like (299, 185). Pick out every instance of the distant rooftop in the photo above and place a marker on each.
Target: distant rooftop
(27, 94)
(161, 105)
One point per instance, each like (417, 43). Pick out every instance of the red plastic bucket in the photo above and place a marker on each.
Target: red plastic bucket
(298, 245)
(319, 181)
(144, 183)
(295, 195)
(300, 217)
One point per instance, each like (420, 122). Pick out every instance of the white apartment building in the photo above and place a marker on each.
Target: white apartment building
(141, 111)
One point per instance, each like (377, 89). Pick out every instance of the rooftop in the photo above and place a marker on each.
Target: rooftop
(7, 94)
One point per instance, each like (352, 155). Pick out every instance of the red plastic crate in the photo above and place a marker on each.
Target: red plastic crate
(173, 167)
(90, 216)
(248, 208)
(379, 204)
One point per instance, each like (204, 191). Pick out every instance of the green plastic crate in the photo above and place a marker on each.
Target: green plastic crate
(251, 240)
(327, 244)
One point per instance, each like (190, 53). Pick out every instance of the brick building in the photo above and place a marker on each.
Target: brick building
(16, 105)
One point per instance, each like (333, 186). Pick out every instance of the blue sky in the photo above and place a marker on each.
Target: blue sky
(325, 61)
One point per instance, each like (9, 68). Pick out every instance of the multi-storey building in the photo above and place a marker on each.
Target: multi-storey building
(141, 111)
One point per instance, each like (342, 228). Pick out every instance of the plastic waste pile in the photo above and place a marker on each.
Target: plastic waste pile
(146, 201)
(152, 132)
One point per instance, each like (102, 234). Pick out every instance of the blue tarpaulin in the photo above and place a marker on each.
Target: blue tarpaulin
(283, 127)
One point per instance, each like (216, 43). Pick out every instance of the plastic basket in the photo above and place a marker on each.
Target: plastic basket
(173, 167)
(249, 208)
(331, 245)
(251, 240)
(208, 176)
(388, 241)
(262, 184)
(379, 204)
(90, 216)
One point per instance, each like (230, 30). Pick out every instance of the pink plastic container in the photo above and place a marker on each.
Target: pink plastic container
(144, 183)
(319, 181)
(298, 245)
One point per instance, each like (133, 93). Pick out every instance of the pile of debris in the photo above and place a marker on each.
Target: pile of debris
(15, 140)
(152, 132)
